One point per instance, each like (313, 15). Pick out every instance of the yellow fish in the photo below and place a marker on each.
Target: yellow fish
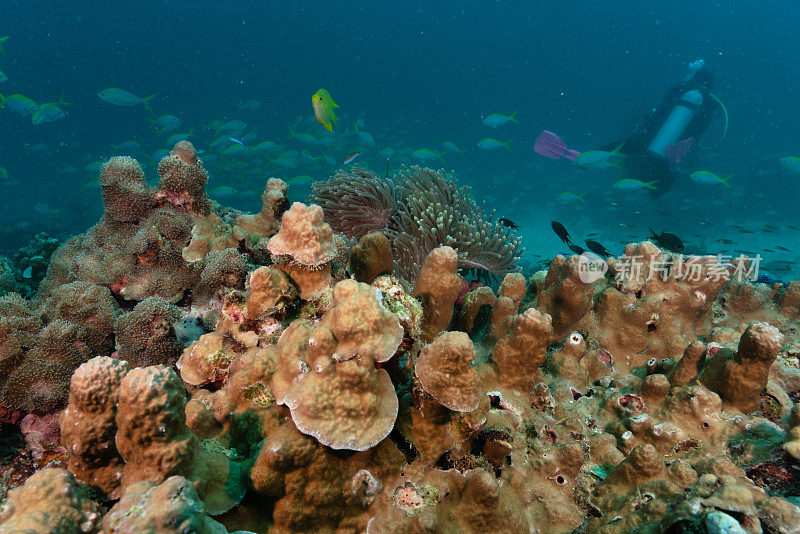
(323, 109)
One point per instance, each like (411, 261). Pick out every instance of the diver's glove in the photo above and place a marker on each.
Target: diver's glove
(696, 65)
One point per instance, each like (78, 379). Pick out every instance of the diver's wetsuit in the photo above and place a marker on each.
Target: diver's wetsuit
(643, 165)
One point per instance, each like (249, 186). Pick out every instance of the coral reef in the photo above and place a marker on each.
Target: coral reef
(24, 270)
(329, 385)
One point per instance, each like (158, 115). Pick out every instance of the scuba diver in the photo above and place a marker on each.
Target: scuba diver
(657, 149)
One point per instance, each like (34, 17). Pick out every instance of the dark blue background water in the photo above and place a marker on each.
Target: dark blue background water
(418, 74)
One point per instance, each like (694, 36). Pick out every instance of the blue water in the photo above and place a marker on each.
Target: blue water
(416, 74)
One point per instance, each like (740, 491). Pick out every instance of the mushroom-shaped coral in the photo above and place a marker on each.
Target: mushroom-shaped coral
(345, 405)
(361, 324)
(326, 372)
(303, 248)
(444, 370)
(304, 236)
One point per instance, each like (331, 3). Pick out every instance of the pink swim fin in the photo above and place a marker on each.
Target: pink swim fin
(551, 146)
(677, 152)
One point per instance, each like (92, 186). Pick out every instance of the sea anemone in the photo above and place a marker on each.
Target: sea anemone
(434, 212)
(356, 202)
(419, 209)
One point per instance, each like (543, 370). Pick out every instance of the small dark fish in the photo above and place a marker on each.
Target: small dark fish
(597, 248)
(768, 250)
(769, 229)
(574, 248)
(560, 231)
(746, 231)
(793, 227)
(780, 247)
(725, 241)
(508, 222)
(387, 167)
(351, 158)
(666, 240)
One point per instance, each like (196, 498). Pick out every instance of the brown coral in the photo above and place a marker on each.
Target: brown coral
(739, 378)
(88, 425)
(206, 360)
(437, 287)
(269, 289)
(361, 324)
(264, 224)
(183, 179)
(50, 501)
(444, 370)
(145, 336)
(326, 372)
(520, 352)
(304, 236)
(172, 506)
(371, 257)
(345, 405)
(126, 197)
(152, 437)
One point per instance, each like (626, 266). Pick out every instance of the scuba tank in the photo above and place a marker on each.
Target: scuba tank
(677, 121)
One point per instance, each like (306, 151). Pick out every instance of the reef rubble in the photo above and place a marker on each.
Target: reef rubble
(188, 368)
